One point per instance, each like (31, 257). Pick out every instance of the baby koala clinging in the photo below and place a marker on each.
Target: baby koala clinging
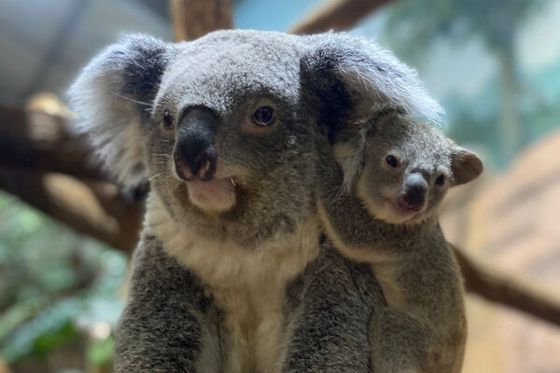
(379, 206)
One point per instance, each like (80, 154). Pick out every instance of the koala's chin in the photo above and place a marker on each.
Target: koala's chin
(216, 195)
(385, 207)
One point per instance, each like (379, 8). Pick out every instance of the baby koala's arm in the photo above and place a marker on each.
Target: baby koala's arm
(166, 325)
(345, 218)
(425, 323)
(403, 343)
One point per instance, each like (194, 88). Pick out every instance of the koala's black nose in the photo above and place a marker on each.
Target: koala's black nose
(195, 155)
(416, 189)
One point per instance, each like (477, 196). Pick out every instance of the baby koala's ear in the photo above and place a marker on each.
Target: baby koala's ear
(465, 165)
(113, 97)
(354, 78)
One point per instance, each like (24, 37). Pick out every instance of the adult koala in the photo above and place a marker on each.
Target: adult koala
(232, 272)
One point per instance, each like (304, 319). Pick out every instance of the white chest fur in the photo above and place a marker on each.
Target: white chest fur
(249, 285)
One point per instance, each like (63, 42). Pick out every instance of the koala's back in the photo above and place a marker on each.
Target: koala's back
(424, 325)
(430, 288)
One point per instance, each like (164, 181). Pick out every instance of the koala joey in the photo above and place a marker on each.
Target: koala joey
(388, 219)
(231, 273)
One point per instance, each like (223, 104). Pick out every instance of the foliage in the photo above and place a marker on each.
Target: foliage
(414, 25)
(54, 286)
(413, 28)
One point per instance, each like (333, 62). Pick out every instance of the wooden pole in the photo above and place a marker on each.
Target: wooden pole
(195, 18)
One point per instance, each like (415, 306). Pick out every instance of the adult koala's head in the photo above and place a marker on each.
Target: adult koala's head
(225, 127)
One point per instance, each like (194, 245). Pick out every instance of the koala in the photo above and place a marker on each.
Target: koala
(233, 272)
(388, 219)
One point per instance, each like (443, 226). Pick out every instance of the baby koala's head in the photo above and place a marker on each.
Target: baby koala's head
(409, 167)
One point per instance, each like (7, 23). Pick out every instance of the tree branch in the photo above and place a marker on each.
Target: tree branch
(50, 168)
(37, 141)
(336, 15)
(499, 289)
(95, 208)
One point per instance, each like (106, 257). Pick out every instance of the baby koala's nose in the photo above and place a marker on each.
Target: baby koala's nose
(416, 189)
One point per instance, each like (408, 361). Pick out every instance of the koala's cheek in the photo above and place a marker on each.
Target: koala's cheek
(382, 209)
(379, 202)
(213, 196)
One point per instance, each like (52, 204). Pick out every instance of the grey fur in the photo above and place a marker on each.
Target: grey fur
(345, 296)
(167, 313)
(423, 329)
(210, 287)
(114, 96)
(372, 77)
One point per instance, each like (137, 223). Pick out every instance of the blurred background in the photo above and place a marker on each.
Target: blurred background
(493, 65)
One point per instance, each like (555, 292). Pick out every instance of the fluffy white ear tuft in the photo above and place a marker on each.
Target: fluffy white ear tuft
(350, 156)
(371, 78)
(113, 97)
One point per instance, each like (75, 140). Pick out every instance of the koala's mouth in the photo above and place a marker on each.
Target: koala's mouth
(401, 213)
(215, 195)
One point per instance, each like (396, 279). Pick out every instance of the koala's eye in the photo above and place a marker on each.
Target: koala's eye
(392, 161)
(440, 180)
(168, 122)
(263, 116)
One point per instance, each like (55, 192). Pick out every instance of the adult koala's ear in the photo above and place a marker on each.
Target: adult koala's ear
(355, 79)
(113, 97)
(465, 165)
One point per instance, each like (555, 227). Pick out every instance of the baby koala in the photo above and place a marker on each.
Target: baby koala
(379, 206)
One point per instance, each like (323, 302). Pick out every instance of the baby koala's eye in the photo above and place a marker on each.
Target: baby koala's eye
(263, 116)
(440, 180)
(168, 122)
(392, 161)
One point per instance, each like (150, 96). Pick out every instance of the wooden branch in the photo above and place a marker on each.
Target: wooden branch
(47, 166)
(336, 15)
(195, 18)
(37, 141)
(499, 289)
(95, 208)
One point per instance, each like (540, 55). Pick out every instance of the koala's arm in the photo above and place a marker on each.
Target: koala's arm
(334, 300)
(346, 220)
(425, 321)
(406, 344)
(165, 326)
(402, 343)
